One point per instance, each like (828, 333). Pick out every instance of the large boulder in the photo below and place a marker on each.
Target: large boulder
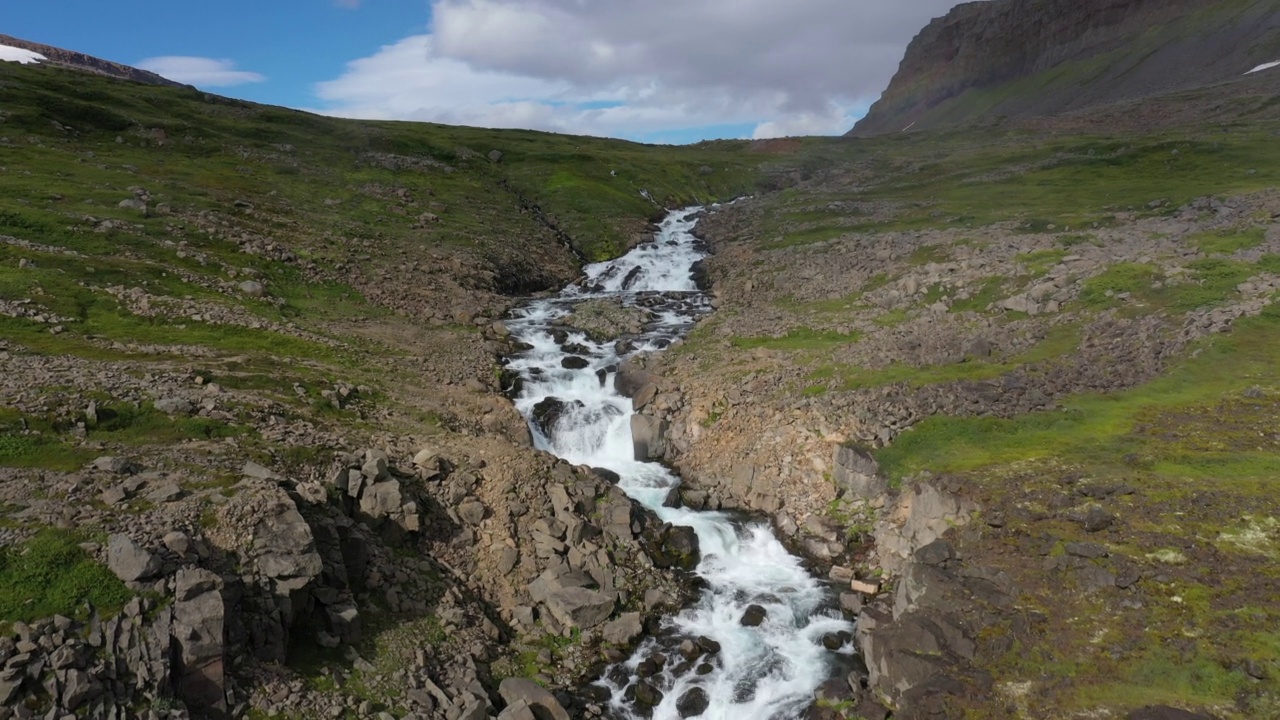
(648, 437)
(581, 608)
(857, 473)
(129, 560)
(515, 691)
(547, 413)
(198, 627)
(285, 549)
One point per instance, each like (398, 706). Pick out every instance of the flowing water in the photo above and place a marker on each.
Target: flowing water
(769, 672)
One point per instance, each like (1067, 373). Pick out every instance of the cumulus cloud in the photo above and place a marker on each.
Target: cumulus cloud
(200, 71)
(614, 67)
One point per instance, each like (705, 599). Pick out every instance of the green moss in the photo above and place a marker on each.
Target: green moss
(51, 575)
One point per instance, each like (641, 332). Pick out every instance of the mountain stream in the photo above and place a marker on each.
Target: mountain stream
(765, 672)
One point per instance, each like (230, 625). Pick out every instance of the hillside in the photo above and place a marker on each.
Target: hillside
(985, 61)
(214, 315)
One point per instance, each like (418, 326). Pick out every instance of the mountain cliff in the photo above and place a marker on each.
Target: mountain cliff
(1021, 58)
(87, 63)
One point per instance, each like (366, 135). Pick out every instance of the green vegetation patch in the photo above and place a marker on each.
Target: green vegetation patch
(798, 339)
(1227, 242)
(51, 574)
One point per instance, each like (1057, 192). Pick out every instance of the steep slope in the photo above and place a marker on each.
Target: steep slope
(87, 63)
(1024, 58)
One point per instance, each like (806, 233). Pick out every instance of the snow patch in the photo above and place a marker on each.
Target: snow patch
(1264, 66)
(19, 55)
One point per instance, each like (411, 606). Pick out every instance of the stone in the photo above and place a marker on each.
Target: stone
(580, 607)
(133, 204)
(644, 396)
(938, 552)
(253, 470)
(495, 156)
(693, 703)
(865, 588)
(252, 288)
(1090, 550)
(520, 690)
(130, 561)
(1096, 519)
(647, 694)
(472, 512)
(624, 630)
(198, 626)
(979, 348)
(857, 473)
(427, 459)
(114, 465)
(547, 413)
(648, 437)
(574, 362)
(285, 547)
(165, 493)
(754, 616)
(381, 499)
(175, 406)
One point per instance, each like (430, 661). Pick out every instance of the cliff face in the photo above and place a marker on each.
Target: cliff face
(1020, 58)
(88, 63)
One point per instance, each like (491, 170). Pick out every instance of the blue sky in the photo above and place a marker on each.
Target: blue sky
(669, 71)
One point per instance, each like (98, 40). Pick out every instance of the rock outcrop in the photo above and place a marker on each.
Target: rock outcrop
(1019, 58)
(88, 63)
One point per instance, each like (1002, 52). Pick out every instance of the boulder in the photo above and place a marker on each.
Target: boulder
(547, 413)
(754, 616)
(857, 473)
(285, 549)
(381, 499)
(198, 627)
(624, 630)
(175, 406)
(520, 690)
(580, 607)
(693, 703)
(129, 560)
(648, 437)
(574, 362)
(253, 288)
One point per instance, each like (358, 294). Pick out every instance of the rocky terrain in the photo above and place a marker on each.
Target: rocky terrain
(1018, 59)
(1012, 391)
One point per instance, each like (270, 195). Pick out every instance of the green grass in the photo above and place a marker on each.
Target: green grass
(1209, 281)
(1102, 427)
(1059, 341)
(51, 575)
(1228, 241)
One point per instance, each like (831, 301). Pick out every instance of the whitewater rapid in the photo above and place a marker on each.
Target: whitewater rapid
(769, 672)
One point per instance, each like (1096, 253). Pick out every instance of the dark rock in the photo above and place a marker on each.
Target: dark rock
(647, 694)
(573, 362)
(693, 703)
(753, 616)
(547, 414)
(709, 646)
(1090, 550)
(1096, 519)
(648, 437)
(937, 552)
(607, 475)
(673, 499)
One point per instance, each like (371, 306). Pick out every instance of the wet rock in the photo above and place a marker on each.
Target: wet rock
(647, 694)
(547, 413)
(648, 437)
(754, 616)
(709, 646)
(574, 362)
(693, 703)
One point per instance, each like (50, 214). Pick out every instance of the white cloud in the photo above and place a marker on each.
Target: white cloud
(630, 69)
(200, 71)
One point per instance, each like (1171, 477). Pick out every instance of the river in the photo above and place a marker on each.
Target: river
(765, 672)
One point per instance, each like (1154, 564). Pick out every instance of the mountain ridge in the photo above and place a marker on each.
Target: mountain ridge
(1045, 57)
(88, 63)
